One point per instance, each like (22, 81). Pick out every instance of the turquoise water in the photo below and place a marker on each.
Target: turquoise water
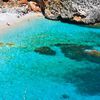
(29, 72)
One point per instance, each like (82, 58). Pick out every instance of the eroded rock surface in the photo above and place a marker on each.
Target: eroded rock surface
(84, 11)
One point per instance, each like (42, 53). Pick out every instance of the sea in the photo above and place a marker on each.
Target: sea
(41, 59)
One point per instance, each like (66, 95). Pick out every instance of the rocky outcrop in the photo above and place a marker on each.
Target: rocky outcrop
(22, 1)
(34, 6)
(84, 11)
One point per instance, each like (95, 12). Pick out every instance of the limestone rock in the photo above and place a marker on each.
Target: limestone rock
(85, 11)
(34, 6)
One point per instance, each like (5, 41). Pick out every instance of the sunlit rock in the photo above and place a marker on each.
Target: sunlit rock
(84, 11)
(93, 52)
(34, 6)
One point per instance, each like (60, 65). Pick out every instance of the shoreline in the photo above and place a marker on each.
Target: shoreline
(9, 20)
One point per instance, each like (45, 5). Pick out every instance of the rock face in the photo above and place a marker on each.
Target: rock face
(34, 6)
(85, 11)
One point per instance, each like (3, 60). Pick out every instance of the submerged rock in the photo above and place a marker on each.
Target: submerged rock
(72, 51)
(45, 50)
(83, 11)
(64, 96)
(1, 44)
(95, 53)
(79, 52)
(10, 44)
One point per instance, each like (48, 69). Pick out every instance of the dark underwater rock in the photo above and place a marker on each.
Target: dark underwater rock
(78, 52)
(73, 51)
(64, 96)
(45, 50)
(81, 11)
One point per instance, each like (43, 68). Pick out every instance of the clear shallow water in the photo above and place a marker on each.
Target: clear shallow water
(67, 74)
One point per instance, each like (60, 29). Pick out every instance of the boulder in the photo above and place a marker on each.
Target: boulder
(22, 1)
(34, 6)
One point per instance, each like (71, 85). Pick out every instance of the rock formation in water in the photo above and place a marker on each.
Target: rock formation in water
(95, 53)
(84, 11)
(45, 50)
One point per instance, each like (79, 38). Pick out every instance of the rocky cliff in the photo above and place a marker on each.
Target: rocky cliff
(84, 11)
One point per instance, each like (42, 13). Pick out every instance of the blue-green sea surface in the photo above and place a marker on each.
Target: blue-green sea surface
(47, 60)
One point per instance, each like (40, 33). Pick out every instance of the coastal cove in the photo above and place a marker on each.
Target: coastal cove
(49, 60)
